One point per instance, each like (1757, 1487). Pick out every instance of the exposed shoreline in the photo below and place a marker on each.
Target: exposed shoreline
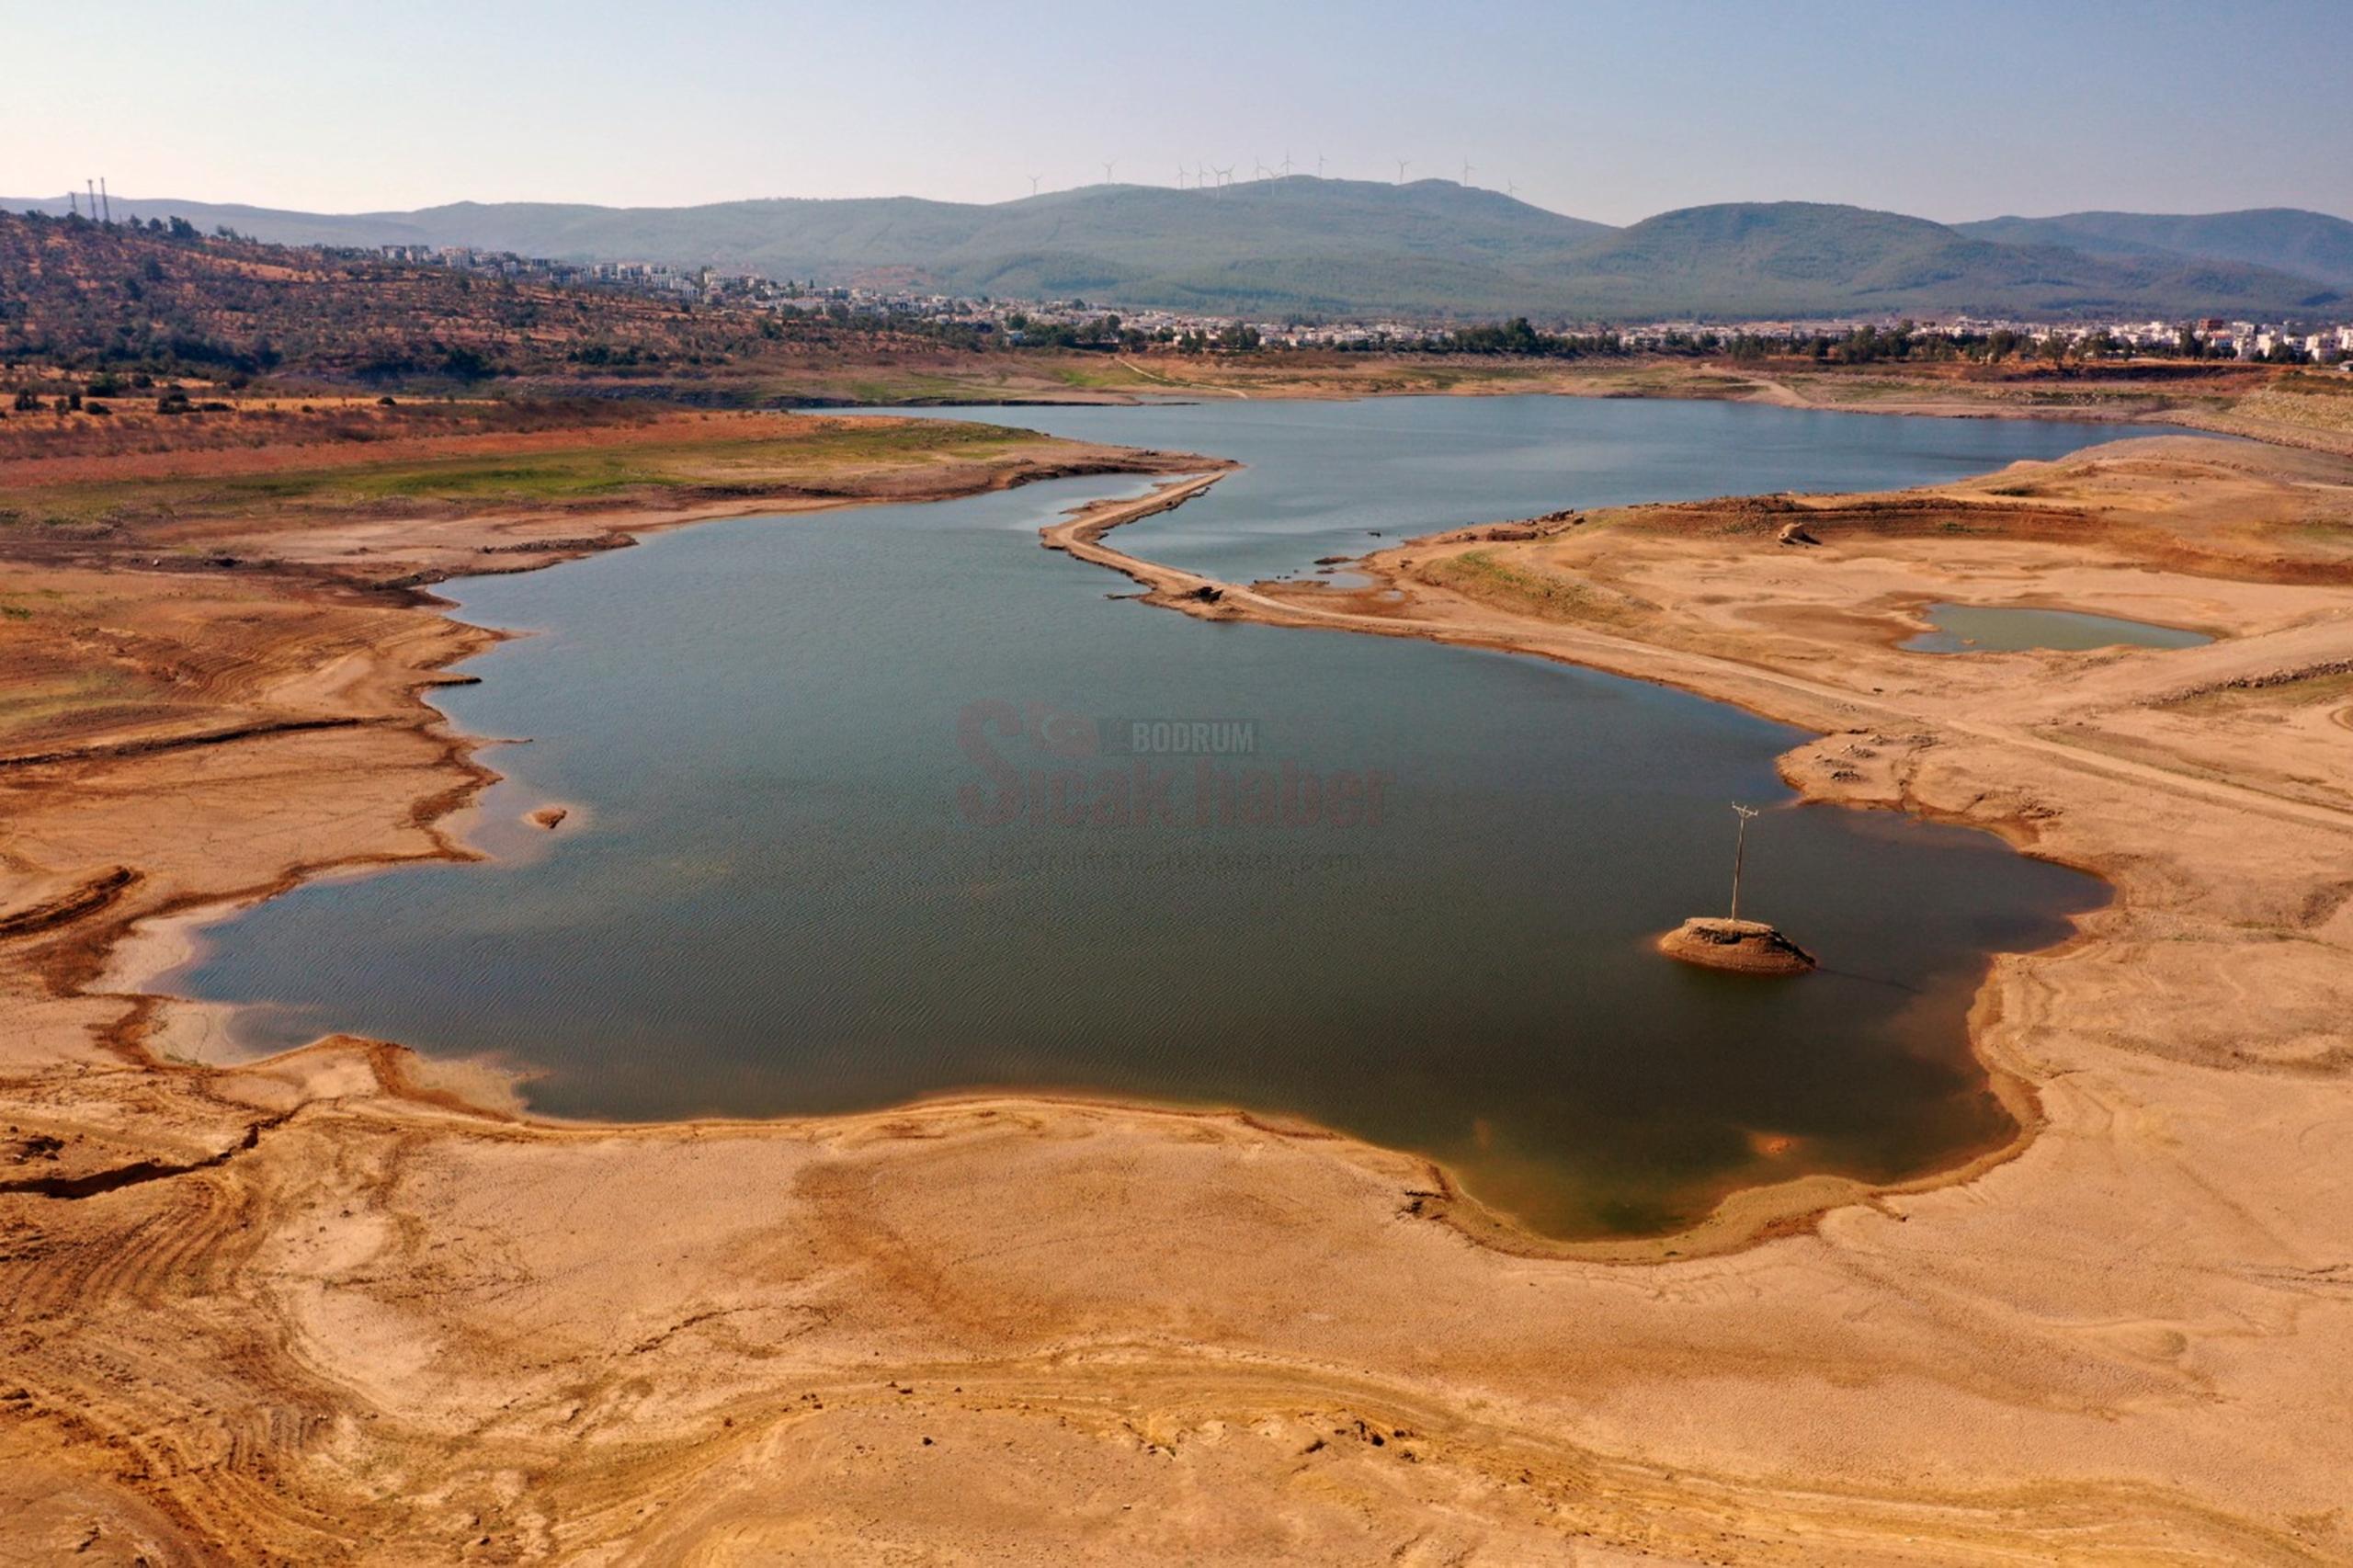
(2201, 396)
(135, 955)
(1747, 1214)
(2113, 1417)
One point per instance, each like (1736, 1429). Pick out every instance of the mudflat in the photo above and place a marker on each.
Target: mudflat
(343, 1304)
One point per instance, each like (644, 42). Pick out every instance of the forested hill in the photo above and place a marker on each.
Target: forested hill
(2310, 245)
(1803, 258)
(1425, 249)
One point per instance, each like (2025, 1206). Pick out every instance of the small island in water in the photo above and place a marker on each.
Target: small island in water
(1746, 946)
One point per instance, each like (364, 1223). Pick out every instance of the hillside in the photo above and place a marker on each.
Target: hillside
(1429, 248)
(91, 295)
(1803, 258)
(2312, 244)
(1296, 243)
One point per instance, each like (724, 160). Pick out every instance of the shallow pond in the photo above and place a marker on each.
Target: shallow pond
(2001, 628)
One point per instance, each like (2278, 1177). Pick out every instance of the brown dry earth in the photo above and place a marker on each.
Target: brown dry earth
(337, 1306)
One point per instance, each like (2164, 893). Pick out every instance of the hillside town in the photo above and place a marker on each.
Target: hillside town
(1081, 323)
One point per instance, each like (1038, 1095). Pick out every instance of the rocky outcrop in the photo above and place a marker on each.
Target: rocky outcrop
(1746, 946)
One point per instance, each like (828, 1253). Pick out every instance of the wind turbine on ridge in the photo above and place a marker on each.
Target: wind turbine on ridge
(1402, 163)
(1109, 164)
(1466, 171)
(1033, 185)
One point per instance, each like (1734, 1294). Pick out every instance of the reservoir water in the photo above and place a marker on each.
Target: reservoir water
(888, 802)
(1342, 478)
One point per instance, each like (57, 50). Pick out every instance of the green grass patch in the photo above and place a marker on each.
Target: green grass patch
(726, 466)
(36, 701)
(2303, 383)
(2312, 691)
(1484, 575)
(893, 389)
(1109, 374)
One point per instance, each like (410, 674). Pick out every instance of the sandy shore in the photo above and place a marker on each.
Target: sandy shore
(330, 1306)
(2274, 405)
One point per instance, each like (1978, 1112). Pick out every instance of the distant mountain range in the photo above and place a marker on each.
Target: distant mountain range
(1432, 247)
(2309, 245)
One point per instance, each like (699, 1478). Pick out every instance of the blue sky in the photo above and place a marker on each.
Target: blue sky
(1960, 109)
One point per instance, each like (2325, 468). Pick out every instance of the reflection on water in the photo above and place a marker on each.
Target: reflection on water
(890, 803)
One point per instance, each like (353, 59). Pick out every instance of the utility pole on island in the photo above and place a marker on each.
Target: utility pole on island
(1739, 853)
(1745, 947)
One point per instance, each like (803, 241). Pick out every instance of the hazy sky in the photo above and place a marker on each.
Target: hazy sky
(1960, 109)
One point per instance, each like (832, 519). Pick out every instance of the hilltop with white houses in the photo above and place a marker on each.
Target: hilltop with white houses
(1080, 323)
